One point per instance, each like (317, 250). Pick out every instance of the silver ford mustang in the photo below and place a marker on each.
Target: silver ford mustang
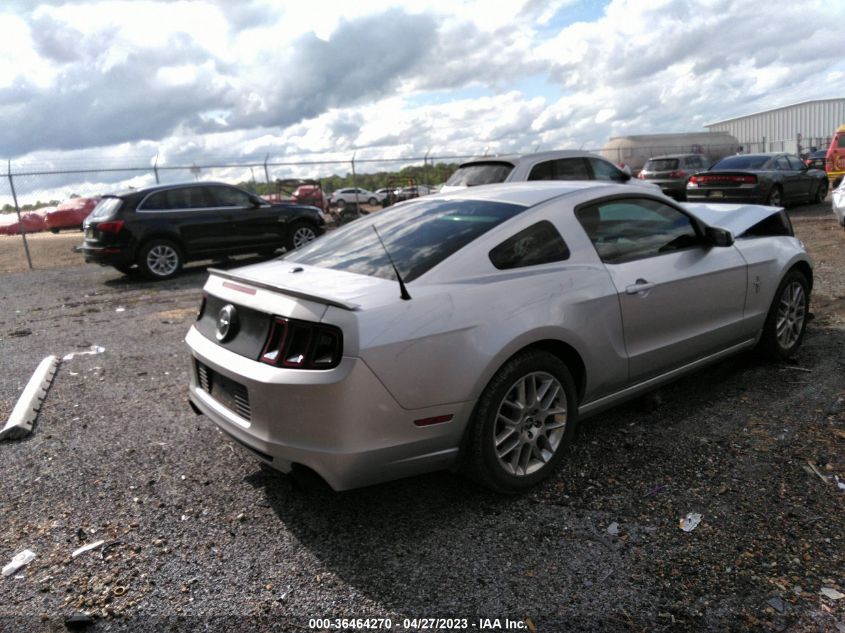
(473, 329)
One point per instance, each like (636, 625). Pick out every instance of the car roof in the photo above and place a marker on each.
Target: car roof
(517, 158)
(533, 192)
(675, 156)
(173, 185)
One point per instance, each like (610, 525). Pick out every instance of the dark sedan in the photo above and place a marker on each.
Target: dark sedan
(775, 179)
(159, 228)
(815, 160)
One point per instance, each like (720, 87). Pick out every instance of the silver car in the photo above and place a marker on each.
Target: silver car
(838, 204)
(473, 330)
(565, 164)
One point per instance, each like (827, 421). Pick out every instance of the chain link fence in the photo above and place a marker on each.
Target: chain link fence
(43, 204)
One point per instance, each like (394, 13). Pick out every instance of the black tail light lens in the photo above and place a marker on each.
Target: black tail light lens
(302, 345)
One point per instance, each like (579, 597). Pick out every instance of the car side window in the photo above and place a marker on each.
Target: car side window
(228, 197)
(184, 198)
(561, 169)
(538, 244)
(782, 164)
(602, 170)
(795, 163)
(154, 202)
(628, 229)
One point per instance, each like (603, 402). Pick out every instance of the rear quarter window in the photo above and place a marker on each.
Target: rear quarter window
(538, 244)
(774, 225)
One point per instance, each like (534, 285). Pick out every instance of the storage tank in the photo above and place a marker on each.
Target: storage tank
(635, 150)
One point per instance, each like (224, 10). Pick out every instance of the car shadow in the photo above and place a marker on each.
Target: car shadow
(438, 544)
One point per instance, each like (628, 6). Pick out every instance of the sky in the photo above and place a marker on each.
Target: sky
(112, 84)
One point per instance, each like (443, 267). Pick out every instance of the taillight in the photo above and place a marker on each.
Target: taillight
(114, 226)
(677, 174)
(738, 179)
(302, 345)
(641, 175)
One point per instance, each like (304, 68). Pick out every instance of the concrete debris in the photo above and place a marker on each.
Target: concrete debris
(28, 405)
(21, 559)
(690, 522)
(86, 548)
(828, 592)
(94, 349)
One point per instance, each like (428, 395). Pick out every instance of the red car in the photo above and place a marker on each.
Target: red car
(70, 214)
(32, 223)
(311, 194)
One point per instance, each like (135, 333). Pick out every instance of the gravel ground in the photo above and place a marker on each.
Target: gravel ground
(200, 536)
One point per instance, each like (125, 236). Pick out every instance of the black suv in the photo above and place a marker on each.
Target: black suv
(159, 228)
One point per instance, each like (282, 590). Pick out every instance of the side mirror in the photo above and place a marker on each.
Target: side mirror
(256, 201)
(718, 237)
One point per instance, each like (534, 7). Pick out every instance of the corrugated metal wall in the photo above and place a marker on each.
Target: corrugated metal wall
(813, 120)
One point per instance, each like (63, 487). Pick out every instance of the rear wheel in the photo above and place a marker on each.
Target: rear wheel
(775, 198)
(160, 259)
(341, 204)
(523, 423)
(821, 192)
(787, 318)
(300, 233)
(372, 202)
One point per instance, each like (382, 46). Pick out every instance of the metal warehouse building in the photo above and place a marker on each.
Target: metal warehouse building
(790, 128)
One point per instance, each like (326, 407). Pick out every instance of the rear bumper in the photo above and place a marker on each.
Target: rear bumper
(342, 423)
(106, 255)
(744, 195)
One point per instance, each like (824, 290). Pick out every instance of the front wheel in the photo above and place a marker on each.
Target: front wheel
(341, 204)
(372, 202)
(523, 423)
(299, 234)
(787, 318)
(160, 259)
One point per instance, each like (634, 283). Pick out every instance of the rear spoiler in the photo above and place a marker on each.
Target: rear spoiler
(299, 294)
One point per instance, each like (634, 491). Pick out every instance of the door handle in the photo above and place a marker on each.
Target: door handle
(641, 285)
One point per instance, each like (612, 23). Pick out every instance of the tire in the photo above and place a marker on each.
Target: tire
(821, 192)
(372, 202)
(787, 318)
(299, 234)
(341, 204)
(533, 438)
(775, 197)
(54, 231)
(160, 259)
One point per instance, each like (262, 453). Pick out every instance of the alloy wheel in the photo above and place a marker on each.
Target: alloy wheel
(162, 260)
(792, 310)
(302, 236)
(530, 424)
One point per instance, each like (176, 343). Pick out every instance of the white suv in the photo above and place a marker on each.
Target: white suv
(555, 165)
(351, 195)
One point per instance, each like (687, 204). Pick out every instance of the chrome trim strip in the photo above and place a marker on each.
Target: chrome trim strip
(629, 392)
(284, 290)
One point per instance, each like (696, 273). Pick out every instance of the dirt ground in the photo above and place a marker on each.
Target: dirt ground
(198, 536)
(47, 250)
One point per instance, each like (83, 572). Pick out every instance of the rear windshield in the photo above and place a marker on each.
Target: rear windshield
(741, 162)
(105, 209)
(662, 164)
(418, 236)
(479, 174)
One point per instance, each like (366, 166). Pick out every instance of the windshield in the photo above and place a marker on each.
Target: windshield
(479, 174)
(741, 162)
(418, 236)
